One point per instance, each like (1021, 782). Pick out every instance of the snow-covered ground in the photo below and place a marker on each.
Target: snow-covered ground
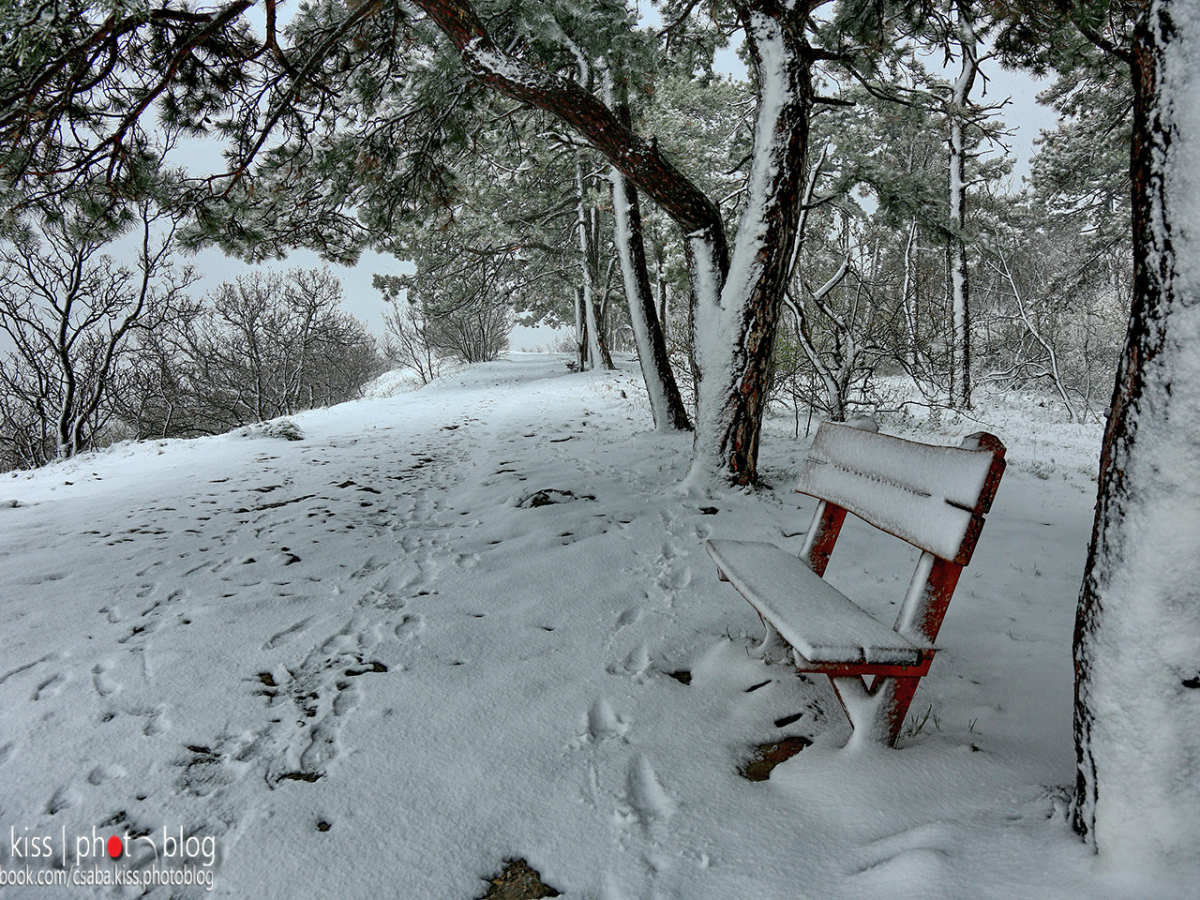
(371, 663)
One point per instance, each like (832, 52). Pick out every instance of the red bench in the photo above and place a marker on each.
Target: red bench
(933, 497)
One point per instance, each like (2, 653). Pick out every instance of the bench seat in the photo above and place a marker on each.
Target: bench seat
(817, 619)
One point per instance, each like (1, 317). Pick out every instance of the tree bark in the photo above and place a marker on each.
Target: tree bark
(639, 159)
(597, 353)
(666, 403)
(1137, 631)
(581, 330)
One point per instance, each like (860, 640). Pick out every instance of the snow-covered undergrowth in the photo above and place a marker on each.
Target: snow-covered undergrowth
(374, 663)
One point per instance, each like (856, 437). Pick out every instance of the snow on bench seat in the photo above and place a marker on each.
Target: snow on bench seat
(810, 614)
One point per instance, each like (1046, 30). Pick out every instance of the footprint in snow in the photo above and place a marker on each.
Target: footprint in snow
(368, 637)
(631, 616)
(324, 747)
(149, 627)
(675, 580)
(156, 722)
(50, 687)
(648, 799)
(102, 681)
(603, 722)
(63, 798)
(338, 644)
(634, 665)
(923, 851)
(410, 627)
(347, 700)
(104, 773)
(285, 636)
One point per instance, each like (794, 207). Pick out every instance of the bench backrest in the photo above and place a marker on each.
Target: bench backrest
(934, 497)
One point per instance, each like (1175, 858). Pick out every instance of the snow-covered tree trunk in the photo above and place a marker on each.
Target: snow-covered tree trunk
(666, 403)
(1137, 636)
(735, 327)
(960, 310)
(909, 299)
(597, 353)
(581, 330)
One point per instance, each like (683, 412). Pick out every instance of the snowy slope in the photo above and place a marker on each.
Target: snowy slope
(374, 663)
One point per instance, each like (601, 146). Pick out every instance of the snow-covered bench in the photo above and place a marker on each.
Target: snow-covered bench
(932, 497)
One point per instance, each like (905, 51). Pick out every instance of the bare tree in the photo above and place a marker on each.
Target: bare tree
(408, 341)
(272, 344)
(70, 311)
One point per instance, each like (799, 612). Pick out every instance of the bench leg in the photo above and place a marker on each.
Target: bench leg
(773, 647)
(877, 713)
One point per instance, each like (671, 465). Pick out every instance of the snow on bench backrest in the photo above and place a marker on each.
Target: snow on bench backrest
(933, 497)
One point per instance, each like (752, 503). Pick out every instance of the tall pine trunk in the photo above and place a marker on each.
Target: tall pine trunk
(959, 281)
(666, 403)
(908, 297)
(597, 352)
(1137, 633)
(581, 330)
(735, 326)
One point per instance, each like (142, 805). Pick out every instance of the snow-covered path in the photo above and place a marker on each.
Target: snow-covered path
(450, 628)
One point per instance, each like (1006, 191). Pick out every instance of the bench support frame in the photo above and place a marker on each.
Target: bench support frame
(876, 697)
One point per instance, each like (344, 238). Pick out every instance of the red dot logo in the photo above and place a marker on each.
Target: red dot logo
(115, 847)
